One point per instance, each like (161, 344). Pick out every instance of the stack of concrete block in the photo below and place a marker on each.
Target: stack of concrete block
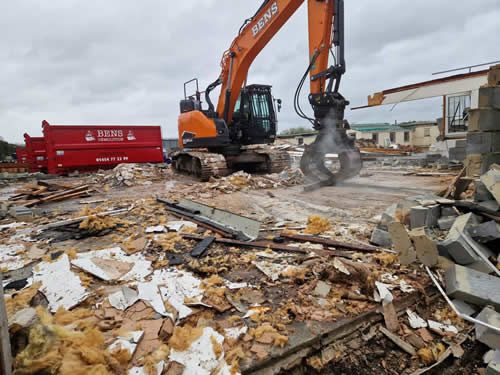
(483, 137)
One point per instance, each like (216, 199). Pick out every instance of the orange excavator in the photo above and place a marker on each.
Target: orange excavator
(219, 141)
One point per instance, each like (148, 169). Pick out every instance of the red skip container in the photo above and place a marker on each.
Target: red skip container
(87, 148)
(22, 155)
(37, 153)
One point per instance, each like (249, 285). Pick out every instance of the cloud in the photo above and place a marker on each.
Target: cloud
(124, 61)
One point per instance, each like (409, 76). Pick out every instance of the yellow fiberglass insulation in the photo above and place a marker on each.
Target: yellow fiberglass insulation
(317, 224)
(57, 349)
(183, 337)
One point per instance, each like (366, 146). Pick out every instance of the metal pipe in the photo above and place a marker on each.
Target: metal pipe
(466, 67)
(459, 314)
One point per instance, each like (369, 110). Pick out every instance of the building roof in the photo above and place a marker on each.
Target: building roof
(380, 127)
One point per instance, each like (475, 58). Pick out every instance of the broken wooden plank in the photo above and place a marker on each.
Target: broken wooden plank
(65, 192)
(5, 350)
(200, 249)
(329, 242)
(398, 341)
(454, 183)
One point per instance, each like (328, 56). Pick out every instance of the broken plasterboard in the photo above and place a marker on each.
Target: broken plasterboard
(128, 342)
(179, 225)
(273, 270)
(124, 298)
(60, 285)
(172, 286)
(200, 358)
(113, 264)
(9, 260)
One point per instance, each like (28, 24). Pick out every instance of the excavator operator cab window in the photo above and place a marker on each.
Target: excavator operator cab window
(254, 111)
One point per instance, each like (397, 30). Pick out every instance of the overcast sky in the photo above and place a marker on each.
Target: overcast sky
(124, 61)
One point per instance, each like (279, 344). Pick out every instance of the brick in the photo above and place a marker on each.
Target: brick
(381, 237)
(458, 247)
(424, 216)
(402, 243)
(489, 97)
(425, 248)
(483, 142)
(485, 232)
(446, 223)
(484, 334)
(472, 286)
(491, 180)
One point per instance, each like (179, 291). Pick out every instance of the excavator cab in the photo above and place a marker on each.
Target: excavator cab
(254, 118)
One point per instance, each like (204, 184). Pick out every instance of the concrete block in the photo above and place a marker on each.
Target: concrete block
(448, 211)
(484, 119)
(481, 193)
(424, 216)
(381, 238)
(489, 97)
(486, 335)
(21, 212)
(387, 217)
(464, 307)
(485, 232)
(491, 180)
(446, 223)
(494, 364)
(483, 142)
(425, 248)
(458, 247)
(472, 286)
(402, 243)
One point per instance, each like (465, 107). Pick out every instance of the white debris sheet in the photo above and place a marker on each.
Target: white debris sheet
(235, 332)
(128, 342)
(172, 286)
(383, 293)
(179, 225)
(61, 286)
(415, 321)
(123, 299)
(199, 358)
(9, 260)
(274, 270)
(156, 229)
(114, 264)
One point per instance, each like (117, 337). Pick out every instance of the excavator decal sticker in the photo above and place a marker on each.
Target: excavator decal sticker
(273, 9)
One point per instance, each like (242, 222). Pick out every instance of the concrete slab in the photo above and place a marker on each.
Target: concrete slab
(446, 223)
(494, 365)
(486, 335)
(472, 286)
(481, 193)
(464, 307)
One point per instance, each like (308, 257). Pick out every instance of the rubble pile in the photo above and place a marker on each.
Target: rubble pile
(170, 285)
(460, 240)
(135, 174)
(242, 180)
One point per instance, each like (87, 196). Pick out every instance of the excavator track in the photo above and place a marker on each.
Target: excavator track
(203, 164)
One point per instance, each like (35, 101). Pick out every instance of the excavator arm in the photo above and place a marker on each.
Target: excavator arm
(326, 33)
(262, 27)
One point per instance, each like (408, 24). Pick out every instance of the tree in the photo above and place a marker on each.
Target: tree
(6, 149)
